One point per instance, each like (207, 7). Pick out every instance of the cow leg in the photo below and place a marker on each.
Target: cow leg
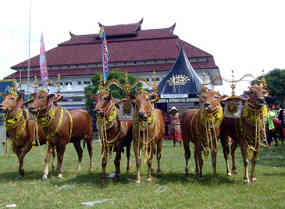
(104, 164)
(128, 153)
(196, 156)
(233, 149)
(117, 164)
(21, 156)
(17, 150)
(79, 151)
(149, 162)
(200, 160)
(253, 165)
(53, 158)
(138, 162)
(243, 148)
(187, 155)
(90, 152)
(49, 152)
(226, 151)
(214, 159)
(60, 153)
(158, 157)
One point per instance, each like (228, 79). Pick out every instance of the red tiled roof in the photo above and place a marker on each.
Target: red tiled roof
(146, 45)
(91, 71)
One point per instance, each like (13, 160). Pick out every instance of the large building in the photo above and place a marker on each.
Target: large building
(133, 50)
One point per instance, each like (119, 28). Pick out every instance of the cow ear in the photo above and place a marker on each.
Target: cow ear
(3, 95)
(154, 98)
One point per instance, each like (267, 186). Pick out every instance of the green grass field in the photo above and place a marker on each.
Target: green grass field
(172, 190)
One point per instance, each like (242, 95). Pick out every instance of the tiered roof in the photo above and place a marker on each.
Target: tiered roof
(126, 43)
(181, 79)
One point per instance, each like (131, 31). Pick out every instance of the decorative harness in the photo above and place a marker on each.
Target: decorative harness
(141, 131)
(254, 118)
(107, 122)
(45, 121)
(15, 122)
(205, 128)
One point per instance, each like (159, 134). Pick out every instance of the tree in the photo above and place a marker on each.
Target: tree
(275, 81)
(115, 91)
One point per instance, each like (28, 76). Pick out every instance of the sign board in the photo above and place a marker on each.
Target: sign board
(4, 88)
(171, 96)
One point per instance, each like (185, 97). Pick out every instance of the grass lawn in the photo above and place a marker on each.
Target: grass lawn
(172, 190)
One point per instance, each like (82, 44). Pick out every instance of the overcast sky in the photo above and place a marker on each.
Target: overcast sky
(246, 36)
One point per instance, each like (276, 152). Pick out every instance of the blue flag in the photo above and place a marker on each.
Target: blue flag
(105, 54)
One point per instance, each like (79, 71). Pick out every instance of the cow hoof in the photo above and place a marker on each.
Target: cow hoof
(138, 181)
(59, 176)
(149, 179)
(229, 174)
(22, 173)
(246, 181)
(253, 179)
(235, 172)
(44, 177)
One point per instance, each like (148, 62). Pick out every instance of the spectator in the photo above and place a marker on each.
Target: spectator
(271, 132)
(175, 130)
(281, 117)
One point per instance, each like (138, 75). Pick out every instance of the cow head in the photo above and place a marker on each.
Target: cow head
(104, 103)
(257, 95)
(143, 102)
(41, 102)
(210, 101)
(11, 102)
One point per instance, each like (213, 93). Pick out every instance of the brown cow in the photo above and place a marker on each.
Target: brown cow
(247, 130)
(148, 131)
(20, 128)
(62, 126)
(202, 128)
(114, 133)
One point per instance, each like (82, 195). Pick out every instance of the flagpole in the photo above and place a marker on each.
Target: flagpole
(29, 46)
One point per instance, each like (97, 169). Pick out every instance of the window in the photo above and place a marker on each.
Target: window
(86, 82)
(77, 99)
(68, 83)
(79, 82)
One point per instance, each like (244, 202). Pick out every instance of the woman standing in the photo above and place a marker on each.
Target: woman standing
(175, 130)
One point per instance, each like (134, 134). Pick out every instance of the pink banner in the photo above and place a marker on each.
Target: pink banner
(43, 62)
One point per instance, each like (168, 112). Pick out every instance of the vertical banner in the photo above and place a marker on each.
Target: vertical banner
(43, 63)
(105, 54)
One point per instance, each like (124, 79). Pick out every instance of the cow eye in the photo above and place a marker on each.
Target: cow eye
(11, 98)
(106, 98)
(41, 97)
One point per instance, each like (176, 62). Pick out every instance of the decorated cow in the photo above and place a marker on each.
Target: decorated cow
(61, 126)
(202, 128)
(115, 134)
(244, 123)
(21, 128)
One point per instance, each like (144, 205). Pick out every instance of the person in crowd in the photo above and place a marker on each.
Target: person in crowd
(281, 118)
(271, 128)
(175, 129)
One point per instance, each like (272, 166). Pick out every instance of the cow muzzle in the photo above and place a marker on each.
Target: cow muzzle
(142, 116)
(33, 110)
(207, 106)
(261, 101)
(98, 112)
